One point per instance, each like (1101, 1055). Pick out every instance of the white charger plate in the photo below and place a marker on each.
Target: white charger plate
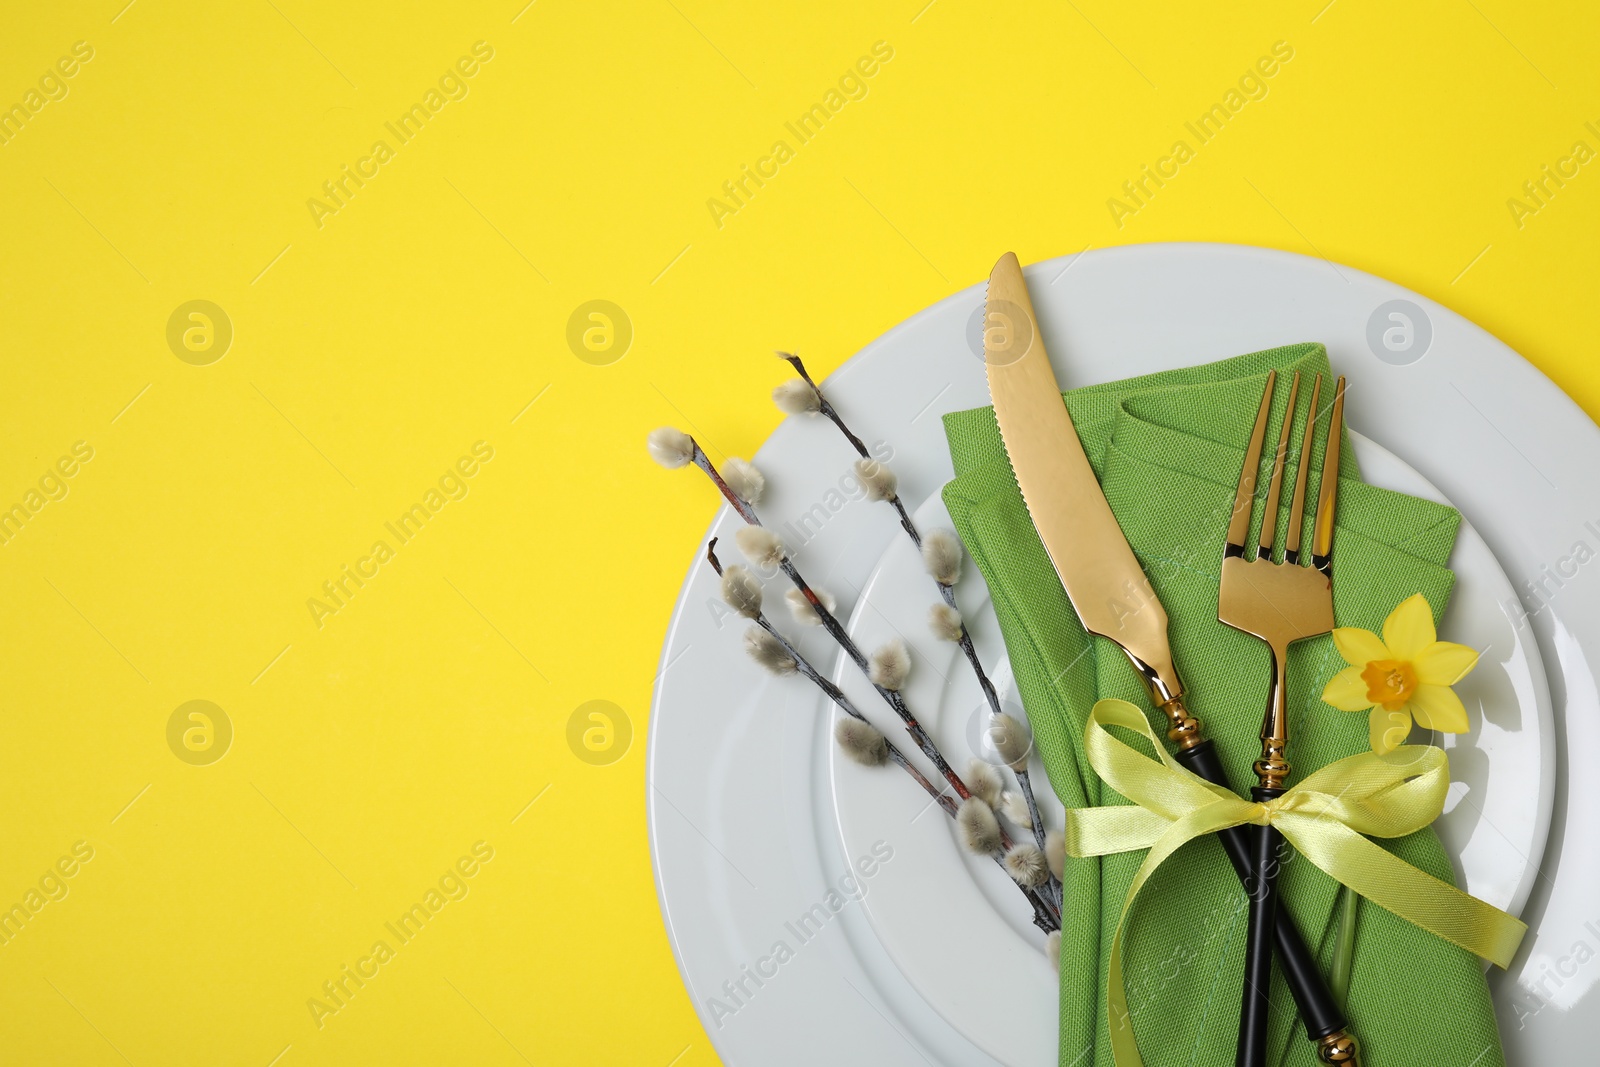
(985, 972)
(741, 813)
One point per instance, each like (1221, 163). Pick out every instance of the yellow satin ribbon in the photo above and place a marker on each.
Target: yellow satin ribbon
(1324, 817)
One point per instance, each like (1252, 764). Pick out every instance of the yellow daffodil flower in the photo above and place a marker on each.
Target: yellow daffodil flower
(1406, 674)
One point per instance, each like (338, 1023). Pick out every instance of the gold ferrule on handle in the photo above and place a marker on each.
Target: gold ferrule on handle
(1186, 731)
(1339, 1049)
(1273, 766)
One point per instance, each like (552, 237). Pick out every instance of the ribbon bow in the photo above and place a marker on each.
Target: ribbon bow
(1324, 817)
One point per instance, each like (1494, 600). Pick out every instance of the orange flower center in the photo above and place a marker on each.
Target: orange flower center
(1389, 683)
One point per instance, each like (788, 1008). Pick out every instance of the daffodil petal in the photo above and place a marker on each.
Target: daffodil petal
(1359, 647)
(1444, 663)
(1347, 691)
(1409, 628)
(1388, 730)
(1438, 708)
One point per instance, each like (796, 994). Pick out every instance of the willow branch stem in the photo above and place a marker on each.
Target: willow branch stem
(892, 697)
(1026, 784)
(836, 630)
(1046, 918)
(1044, 907)
(1041, 900)
(948, 592)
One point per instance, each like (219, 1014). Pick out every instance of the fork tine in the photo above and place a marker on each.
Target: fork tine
(1328, 491)
(1244, 499)
(1269, 517)
(1291, 551)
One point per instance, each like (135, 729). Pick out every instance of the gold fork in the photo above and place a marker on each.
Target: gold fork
(1280, 603)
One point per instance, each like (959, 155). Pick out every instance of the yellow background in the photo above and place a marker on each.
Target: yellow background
(372, 351)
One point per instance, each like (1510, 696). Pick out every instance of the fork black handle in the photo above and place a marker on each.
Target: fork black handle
(1255, 1007)
(1318, 1008)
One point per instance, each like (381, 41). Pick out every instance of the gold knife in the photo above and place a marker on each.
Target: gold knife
(1109, 590)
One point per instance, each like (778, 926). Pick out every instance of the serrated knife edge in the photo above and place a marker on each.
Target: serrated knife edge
(1108, 589)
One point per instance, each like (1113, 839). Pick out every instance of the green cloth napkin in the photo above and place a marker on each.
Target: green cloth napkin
(1167, 449)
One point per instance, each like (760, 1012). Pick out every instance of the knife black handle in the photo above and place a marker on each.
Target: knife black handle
(1255, 1006)
(1318, 1009)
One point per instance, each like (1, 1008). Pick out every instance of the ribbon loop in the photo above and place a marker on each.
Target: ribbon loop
(1324, 817)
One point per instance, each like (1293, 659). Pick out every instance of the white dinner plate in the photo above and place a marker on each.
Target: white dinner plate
(743, 823)
(1494, 826)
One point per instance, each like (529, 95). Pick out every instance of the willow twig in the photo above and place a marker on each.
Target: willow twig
(946, 591)
(1044, 916)
(672, 449)
(836, 630)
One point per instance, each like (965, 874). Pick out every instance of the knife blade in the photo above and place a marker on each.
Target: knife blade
(1110, 591)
